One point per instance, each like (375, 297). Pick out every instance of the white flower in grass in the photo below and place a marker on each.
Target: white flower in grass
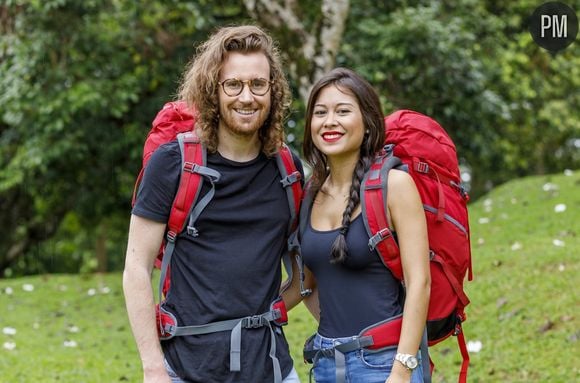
(9, 331)
(70, 343)
(516, 246)
(73, 329)
(474, 346)
(558, 243)
(36, 325)
(487, 205)
(8, 290)
(91, 292)
(561, 267)
(9, 346)
(550, 187)
(483, 220)
(28, 287)
(568, 172)
(105, 290)
(559, 208)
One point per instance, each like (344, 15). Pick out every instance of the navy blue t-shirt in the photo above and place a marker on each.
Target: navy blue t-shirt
(355, 294)
(231, 270)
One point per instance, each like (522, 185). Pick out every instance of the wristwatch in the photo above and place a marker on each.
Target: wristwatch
(407, 360)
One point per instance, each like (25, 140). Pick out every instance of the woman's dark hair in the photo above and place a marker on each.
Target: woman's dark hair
(349, 82)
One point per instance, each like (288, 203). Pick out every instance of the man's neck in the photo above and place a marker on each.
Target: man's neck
(238, 148)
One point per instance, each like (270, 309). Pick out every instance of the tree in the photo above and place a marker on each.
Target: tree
(310, 33)
(474, 67)
(80, 82)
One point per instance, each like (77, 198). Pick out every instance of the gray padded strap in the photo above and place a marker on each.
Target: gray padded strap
(294, 240)
(236, 347)
(254, 321)
(167, 253)
(340, 370)
(425, 360)
(275, 361)
(213, 176)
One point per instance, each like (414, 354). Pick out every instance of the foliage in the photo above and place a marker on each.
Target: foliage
(473, 66)
(80, 82)
(523, 297)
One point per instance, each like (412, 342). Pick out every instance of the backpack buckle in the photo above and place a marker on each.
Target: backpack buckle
(255, 321)
(422, 167)
(190, 167)
(291, 178)
(171, 235)
(192, 231)
(378, 237)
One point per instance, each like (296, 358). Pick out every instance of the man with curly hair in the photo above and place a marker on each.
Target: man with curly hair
(231, 271)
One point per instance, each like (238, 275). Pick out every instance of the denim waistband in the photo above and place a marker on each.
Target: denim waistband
(321, 341)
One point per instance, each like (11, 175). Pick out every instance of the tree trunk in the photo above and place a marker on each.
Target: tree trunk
(317, 44)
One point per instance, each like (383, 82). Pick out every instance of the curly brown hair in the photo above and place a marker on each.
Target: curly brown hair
(199, 87)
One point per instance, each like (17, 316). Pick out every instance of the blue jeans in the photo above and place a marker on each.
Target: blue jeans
(291, 378)
(362, 366)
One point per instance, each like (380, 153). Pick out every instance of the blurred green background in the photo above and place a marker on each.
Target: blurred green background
(81, 81)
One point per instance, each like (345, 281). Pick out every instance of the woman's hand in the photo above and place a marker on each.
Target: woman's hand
(399, 374)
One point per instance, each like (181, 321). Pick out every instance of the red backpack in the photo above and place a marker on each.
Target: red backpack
(176, 121)
(419, 145)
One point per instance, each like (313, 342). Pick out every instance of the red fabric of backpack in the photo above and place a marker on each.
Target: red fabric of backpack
(176, 121)
(420, 146)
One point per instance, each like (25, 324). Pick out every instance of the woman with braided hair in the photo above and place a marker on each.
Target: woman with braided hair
(343, 134)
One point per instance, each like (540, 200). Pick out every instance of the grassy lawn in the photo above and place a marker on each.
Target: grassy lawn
(525, 303)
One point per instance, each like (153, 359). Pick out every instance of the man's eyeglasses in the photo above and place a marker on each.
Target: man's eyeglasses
(233, 87)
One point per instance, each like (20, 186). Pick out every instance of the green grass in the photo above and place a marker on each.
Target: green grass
(525, 304)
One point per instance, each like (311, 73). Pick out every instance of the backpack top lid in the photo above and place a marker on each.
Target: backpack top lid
(175, 117)
(420, 136)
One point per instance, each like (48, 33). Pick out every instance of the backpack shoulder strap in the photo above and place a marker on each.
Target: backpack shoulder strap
(373, 194)
(296, 236)
(291, 178)
(193, 155)
(185, 203)
(291, 181)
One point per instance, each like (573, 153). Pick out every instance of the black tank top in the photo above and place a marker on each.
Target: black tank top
(355, 294)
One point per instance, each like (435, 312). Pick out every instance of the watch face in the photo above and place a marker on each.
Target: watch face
(411, 362)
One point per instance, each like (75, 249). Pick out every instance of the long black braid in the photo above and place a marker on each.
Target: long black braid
(339, 249)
